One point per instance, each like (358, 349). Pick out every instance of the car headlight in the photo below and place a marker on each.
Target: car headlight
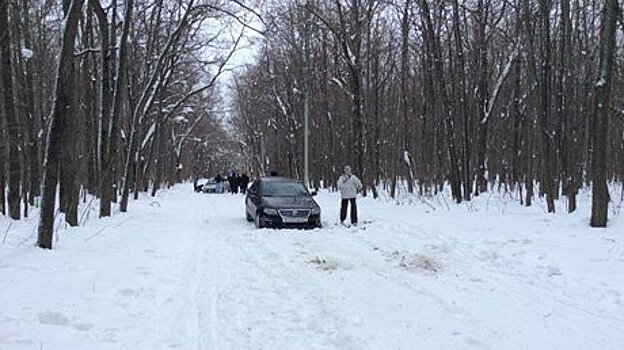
(270, 211)
(315, 211)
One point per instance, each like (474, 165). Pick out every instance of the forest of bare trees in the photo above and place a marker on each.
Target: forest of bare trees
(523, 96)
(103, 100)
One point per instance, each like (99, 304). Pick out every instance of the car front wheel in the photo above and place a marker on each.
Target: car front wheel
(249, 217)
(258, 220)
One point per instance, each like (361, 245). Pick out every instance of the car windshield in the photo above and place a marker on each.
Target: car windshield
(283, 189)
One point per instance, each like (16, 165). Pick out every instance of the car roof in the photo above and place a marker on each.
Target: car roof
(278, 179)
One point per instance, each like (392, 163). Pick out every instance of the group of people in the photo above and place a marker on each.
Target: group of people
(238, 183)
(235, 183)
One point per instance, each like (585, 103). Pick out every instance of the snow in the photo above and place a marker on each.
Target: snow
(148, 135)
(337, 82)
(199, 86)
(186, 271)
(281, 105)
(27, 53)
(180, 119)
(350, 55)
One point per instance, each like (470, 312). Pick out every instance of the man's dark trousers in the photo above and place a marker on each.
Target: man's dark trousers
(343, 210)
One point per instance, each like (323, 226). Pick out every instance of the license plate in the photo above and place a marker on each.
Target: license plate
(291, 220)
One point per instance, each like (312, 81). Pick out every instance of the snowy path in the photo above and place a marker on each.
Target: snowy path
(188, 272)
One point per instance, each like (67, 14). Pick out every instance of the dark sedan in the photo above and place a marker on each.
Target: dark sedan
(281, 202)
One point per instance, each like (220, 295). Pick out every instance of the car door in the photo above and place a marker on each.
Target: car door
(251, 202)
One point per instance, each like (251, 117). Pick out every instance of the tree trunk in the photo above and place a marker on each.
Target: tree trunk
(106, 163)
(482, 97)
(62, 105)
(463, 103)
(69, 189)
(529, 43)
(546, 132)
(600, 194)
(405, 153)
(160, 156)
(6, 70)
(118, 95)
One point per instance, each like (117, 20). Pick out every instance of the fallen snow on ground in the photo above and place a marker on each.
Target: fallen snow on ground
(186, 271)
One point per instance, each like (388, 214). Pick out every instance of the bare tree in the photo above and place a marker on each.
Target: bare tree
(62, 107)
(6, 70)
(600, 194)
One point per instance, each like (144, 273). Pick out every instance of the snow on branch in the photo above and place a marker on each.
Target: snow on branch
(183, 137)
(27, 53)
(499, 83)
(148, 136)
(281, 104)
(342, 86)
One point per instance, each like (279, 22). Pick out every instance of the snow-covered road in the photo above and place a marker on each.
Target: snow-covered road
(186, 271)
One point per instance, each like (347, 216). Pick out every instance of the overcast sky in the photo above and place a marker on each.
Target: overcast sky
(247, 50)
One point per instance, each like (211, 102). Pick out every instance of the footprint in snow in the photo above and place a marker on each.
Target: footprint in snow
(53, 318)
(414, 262)
(134, 293)
(420, 263)
(84, 327)
(326, 264)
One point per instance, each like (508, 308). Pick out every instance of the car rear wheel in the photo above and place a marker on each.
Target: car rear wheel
(249, 217)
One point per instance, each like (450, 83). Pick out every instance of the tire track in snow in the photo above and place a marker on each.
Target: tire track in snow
(208, 280)
(193, 319)
(271, 303)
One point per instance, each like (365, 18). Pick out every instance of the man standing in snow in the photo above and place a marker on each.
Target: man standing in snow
(349, 186)
(244, 182)
(232, 182)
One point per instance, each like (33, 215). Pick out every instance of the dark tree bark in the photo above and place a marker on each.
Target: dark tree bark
(482, 94)
(600, 195)
(546, 131)
(62, 106)
(406, 140)
(568, 142)
(160, 155)
(531, 110)
(6, 70)
(106, 162)
(462, 104)
(69, 190)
